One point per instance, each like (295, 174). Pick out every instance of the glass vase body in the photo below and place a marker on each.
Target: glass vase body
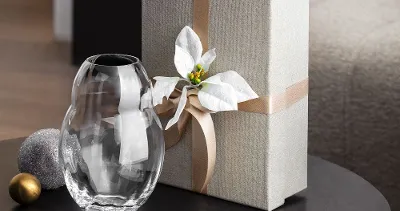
(111, 144)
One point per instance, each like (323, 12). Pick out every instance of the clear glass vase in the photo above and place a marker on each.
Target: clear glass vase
(112, 146)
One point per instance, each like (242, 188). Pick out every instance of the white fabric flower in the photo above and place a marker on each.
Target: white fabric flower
(221, 92)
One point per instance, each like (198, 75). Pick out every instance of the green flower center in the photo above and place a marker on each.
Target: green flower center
(196, 75)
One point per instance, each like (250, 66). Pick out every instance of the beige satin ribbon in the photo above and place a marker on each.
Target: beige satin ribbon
(203, 133)
(200, 20)
(275, 103)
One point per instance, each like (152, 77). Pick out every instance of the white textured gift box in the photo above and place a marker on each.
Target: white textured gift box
(261, 159)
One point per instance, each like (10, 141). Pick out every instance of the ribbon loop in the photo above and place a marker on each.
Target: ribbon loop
(203, 137)
(203, 149)
(174, 134)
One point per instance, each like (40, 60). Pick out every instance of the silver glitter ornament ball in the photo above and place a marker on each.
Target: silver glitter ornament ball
(38, 156)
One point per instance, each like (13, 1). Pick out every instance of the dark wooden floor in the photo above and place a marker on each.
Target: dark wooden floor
(35, 74)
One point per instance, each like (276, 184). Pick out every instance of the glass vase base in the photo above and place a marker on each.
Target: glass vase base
(109, 208)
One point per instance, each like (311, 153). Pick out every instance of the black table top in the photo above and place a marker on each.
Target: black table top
(330, 188)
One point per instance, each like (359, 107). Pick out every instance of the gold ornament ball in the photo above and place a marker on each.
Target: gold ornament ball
(24, 188)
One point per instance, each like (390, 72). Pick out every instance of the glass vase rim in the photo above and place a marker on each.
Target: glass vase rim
(133, 59)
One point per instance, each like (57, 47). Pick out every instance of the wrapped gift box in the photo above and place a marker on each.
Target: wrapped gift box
(261, 159)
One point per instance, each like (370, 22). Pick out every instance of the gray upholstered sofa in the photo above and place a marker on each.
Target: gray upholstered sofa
(355, 88)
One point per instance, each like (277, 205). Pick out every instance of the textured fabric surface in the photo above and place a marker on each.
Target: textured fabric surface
(355, 89)
(261, 160)
(287, 64)
(236, 26)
